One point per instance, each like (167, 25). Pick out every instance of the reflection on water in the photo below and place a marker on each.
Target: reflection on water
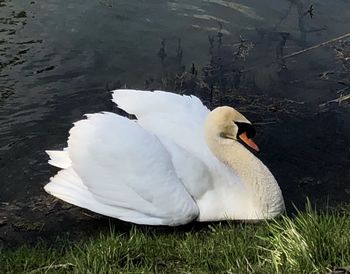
(58, 61)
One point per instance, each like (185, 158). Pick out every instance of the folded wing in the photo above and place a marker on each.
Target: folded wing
(122, 171)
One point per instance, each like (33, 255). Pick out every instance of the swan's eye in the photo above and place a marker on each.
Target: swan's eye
(245, 127)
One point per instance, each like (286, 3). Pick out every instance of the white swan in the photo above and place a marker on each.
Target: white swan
(176, 163)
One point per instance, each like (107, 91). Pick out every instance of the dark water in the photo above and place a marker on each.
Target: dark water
(59, 59)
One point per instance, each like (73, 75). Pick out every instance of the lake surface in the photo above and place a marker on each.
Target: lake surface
(59, 59)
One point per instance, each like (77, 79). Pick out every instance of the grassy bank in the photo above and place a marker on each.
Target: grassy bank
(310, 242)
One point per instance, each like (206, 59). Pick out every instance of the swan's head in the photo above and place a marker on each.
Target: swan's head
(227, 123)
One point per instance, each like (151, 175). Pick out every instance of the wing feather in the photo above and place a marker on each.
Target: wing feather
(128, 170)
(179, 118)
(59, 158)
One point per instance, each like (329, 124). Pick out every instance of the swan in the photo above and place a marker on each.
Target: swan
(177, 162)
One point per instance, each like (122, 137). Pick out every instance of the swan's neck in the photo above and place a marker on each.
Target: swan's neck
(263, 191)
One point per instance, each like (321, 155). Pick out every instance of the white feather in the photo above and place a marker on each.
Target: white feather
(59, 158)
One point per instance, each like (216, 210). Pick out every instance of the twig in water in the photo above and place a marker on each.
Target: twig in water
(304, 50)
(310, 11)
(161, 53)
(324, 75)
(318, 45)
(338, 100)
(342, 90)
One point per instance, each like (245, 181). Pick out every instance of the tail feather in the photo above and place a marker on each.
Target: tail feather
(68, 186)
(59, 158)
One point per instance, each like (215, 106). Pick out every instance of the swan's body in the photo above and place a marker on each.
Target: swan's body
(176, 163)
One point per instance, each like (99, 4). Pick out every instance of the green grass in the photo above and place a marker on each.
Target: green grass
(309, 242)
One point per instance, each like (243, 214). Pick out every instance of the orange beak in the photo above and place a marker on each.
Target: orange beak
(248, 141)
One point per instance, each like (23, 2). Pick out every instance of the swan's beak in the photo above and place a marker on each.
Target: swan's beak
(243, 136)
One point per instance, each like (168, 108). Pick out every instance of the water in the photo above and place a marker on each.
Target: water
(58, 61)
